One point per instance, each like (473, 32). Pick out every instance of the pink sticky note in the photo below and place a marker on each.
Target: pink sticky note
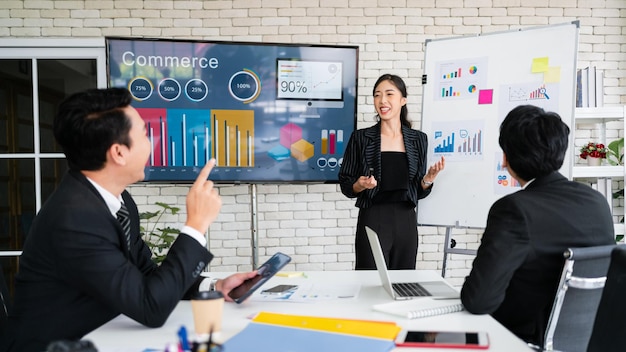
(485, 96)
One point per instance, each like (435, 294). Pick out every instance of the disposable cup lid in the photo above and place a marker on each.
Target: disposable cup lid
(206, 295)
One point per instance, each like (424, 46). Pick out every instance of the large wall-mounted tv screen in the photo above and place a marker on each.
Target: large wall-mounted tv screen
(266, 112)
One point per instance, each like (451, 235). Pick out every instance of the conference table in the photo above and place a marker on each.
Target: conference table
(125, 335)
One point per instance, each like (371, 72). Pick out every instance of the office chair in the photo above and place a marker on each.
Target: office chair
(609, 328)
(577, 298)
(4, 301)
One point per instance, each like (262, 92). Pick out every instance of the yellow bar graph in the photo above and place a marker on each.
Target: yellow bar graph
(233, 137)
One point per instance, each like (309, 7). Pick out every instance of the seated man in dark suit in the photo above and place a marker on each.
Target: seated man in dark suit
(518, 265)
(81, 266)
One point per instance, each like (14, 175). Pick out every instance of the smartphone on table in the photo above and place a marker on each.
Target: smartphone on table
(279, 290)
(443, 339)
(264, 273)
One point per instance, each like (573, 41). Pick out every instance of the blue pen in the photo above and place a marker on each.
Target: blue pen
(182, 337)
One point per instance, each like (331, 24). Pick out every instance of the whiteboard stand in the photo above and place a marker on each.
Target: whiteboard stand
(448, 249)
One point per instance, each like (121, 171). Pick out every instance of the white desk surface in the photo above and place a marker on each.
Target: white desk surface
(125, 335)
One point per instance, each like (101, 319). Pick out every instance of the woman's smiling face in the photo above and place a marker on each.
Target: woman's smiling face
(388, 100)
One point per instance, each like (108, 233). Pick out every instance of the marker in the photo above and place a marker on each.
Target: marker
(182, 338)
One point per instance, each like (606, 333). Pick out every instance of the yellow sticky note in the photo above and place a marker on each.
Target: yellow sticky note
(540, 64)
(552, 75)
(290, 274)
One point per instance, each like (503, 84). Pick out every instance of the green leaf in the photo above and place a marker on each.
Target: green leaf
(158, 240)
(148, 215)
(168, 230)
(173, 210)
(615, 155)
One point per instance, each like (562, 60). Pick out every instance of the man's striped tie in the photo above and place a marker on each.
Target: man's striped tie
(124, 219)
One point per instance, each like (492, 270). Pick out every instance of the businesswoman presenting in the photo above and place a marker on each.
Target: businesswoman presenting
(384, 167)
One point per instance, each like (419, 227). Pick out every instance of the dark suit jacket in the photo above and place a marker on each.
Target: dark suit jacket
(363, 152)
(76, 272)
(518, 265)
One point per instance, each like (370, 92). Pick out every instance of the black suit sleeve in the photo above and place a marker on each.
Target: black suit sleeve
(417, 150)
(352, 166)
(503, 249)
(94, 264)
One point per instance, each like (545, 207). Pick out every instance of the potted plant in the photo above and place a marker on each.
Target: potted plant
(157, 239)
(593, 153)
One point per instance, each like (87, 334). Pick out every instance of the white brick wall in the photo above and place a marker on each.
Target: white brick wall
(315, 223)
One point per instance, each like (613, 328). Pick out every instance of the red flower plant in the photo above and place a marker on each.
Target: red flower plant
(593, 150)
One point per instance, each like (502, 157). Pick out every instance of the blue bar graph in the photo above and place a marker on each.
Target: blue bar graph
(447, 146)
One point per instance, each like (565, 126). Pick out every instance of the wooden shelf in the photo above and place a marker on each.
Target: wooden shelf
(602, 174)
(598, 115)
(598, 171)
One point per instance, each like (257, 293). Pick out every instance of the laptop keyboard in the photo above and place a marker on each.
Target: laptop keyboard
(409, 289)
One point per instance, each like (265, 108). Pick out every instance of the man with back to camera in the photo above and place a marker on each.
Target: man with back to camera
(78, 269)
(518, 265)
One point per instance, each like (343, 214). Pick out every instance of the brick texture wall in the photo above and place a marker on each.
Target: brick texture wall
(315, 223)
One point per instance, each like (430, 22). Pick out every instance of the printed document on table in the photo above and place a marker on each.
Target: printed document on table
(312, 292)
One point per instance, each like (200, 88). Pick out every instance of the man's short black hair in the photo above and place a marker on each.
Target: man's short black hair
(534, 141)
(88, 123)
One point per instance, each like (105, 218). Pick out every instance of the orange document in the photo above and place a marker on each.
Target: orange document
(370, 328)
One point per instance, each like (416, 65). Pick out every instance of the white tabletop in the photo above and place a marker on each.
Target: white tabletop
(125, 335)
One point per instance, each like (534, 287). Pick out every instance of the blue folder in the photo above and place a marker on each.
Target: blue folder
(261, 337)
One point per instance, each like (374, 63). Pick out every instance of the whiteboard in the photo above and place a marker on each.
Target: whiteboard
(469, 85)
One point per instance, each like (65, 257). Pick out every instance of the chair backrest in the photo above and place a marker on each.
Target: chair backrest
(577, 298)
(609, 327)
(4, 301)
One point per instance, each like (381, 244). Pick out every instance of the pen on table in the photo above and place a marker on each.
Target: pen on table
(210, 337)
(182, 337)
(212, 346)
(199, 347)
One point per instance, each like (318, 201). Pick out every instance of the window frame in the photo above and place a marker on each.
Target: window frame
(58, 48)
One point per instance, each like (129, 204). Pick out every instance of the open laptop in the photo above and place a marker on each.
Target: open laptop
(406, 290)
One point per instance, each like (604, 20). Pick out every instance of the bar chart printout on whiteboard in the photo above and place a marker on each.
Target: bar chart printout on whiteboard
(460, 140)
(459, 79)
